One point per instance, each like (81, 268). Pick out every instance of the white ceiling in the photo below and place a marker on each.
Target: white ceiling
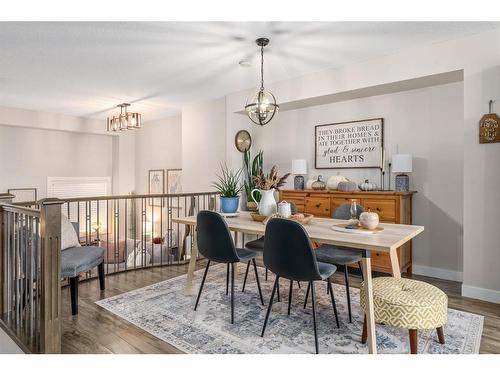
(85, 69)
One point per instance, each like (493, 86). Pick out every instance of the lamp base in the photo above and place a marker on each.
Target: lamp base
(402, 182)
(298, 183)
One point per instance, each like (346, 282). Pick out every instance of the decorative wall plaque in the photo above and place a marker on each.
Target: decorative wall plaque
(489, 128)
(353, 144)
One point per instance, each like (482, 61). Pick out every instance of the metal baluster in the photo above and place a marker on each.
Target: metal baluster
(125, 256)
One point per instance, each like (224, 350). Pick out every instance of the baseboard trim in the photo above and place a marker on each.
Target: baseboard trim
(439, 273)
(488, 295)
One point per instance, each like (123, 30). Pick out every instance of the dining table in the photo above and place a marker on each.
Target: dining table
(387, 239)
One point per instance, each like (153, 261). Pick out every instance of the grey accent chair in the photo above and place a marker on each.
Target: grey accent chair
(76, 260)
(258, 245)
(341, 256)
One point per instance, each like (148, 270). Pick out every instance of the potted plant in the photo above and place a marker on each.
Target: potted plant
(266, 185)
(229, 188)
(252, 169)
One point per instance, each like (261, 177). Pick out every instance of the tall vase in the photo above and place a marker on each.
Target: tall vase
(267, 204)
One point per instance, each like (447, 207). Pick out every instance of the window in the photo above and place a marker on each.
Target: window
(78, 187)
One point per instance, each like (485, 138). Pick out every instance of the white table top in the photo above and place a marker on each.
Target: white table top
(319, 230)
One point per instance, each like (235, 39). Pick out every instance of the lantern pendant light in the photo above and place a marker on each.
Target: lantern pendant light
(261, 107)
(125, 120)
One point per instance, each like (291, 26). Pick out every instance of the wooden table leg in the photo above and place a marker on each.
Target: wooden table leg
(188, 287)
(370, 314)
(396, 271)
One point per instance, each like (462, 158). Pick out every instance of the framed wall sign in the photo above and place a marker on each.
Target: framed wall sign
(352, 144)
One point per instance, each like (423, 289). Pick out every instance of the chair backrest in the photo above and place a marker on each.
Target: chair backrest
(214, 239)
(343, 211)
(288, 251)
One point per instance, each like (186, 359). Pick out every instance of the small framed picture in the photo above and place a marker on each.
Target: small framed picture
(174, 181)
(23, 194)
(156, 185)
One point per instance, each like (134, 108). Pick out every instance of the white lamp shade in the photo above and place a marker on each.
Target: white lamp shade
(402, 163)
(299, 166)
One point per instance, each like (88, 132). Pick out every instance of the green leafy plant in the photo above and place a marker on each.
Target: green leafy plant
(228, 184)
(252, 169)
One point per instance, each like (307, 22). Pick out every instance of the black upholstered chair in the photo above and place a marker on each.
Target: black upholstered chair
(341, 256)
(76, 260)
(289, 254)
(216, 244)
(258, 245)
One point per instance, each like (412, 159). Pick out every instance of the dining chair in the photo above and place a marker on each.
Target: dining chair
(289, 254)
(258, 245)
(216, 244)
(339, 255)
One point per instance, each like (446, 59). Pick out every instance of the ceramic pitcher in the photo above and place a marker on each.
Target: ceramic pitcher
(267, 204)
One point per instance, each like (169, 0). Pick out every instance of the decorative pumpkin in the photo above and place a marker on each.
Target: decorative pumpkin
(333, 182)
(309, 183)
(319, 184)
(369, 220)
(367, 186)
(347, 186)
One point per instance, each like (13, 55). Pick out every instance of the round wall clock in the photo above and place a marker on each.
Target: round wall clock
(243, 141)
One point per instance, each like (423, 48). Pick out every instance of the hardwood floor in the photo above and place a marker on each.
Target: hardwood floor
(96, 330)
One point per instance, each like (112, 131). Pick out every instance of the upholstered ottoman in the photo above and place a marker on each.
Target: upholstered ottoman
(409, 304)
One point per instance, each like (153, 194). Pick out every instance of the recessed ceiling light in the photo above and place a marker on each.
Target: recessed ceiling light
(244, 63)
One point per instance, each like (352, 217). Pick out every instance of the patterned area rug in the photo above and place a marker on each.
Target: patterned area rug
(166, 312)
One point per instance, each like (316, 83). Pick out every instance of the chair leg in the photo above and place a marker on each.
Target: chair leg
(266, 273)
(313, 297)
(364, 334)
(307, 294)
(298, 283)
(413, 341)
(201, 286)
(232, 293)
(440, 333)
(269, 307)
(333, 302)
(258, 281)
(278, 289)
(290, 296)
(100, 270)
(246, 275)
(361, 270)
(346, 276)
(227, 279)
(73, 287)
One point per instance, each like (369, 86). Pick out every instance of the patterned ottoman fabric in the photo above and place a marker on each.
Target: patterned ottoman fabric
(406, 303)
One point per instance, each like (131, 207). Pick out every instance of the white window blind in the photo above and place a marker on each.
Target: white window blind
(78, 187)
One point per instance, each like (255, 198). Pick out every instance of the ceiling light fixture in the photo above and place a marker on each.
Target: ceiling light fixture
(261, 107)
(124, 121)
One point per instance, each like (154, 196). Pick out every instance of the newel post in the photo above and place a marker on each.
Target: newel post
(50, 293)
(2, 261)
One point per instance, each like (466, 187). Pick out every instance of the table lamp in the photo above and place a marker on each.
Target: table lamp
(299, 169)
(402, 164)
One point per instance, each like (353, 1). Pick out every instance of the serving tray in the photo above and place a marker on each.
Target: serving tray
(359, 230)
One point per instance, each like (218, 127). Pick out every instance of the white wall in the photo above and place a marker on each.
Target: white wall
(481, 175)
(28, 156)
(158, 145)
(427, 123)
(203, 143)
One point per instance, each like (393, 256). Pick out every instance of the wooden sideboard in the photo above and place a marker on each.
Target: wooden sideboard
(392, 206)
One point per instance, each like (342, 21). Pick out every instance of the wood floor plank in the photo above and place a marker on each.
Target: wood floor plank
(96, 330)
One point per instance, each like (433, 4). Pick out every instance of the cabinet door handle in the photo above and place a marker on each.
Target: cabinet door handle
(319, 204)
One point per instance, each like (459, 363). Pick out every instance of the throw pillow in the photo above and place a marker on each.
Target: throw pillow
(69, 238)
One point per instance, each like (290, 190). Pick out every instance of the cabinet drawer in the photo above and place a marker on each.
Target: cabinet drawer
(318, 206)
(386, 208)
(381, 260)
